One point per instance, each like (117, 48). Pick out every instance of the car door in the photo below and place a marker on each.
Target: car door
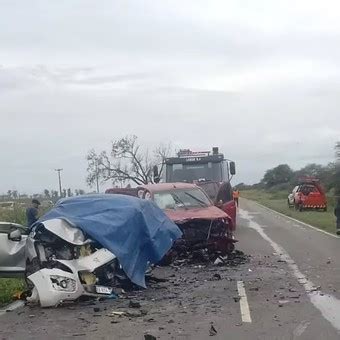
(225, 196)
(12, 249)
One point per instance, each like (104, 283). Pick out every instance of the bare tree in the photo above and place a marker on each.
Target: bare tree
(126, 162)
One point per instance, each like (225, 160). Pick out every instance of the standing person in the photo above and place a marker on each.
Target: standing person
(337, 214)
(32, 213)
(236, 195)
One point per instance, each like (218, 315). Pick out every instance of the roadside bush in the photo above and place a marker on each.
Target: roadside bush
(17, 215)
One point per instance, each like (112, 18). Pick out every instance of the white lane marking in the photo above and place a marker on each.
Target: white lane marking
(12, 306)
(300, 329)
(328, 305)
(244, 306)
(297, 221)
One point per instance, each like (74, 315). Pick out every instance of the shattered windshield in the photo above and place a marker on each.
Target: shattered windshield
(181, 198)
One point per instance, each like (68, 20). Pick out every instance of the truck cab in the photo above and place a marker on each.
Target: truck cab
(207, 169)
(190, 166)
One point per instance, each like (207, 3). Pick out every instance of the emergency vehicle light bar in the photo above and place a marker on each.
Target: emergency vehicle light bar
(308, 179)
(188, 153)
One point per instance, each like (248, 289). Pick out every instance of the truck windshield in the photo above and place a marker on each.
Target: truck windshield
(181, 198)
(191, 172)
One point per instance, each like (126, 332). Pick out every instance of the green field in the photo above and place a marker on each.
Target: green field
(8, 287)
(278, 201)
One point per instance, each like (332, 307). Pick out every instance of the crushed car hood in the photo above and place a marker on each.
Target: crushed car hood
(66, 231)
(206, 213)
(136, 231)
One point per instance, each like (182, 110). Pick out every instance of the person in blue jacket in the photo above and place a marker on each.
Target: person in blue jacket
(32, 213)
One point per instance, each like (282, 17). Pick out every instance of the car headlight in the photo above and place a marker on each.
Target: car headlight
(63, 283)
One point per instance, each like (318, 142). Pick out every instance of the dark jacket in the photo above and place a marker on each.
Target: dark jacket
(31, 215)
(337, 212)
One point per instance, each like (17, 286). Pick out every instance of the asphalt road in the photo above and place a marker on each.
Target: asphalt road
(289, 289)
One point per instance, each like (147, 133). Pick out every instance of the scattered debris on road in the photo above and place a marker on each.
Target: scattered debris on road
(134, 304)
(237, 298)
(283, 302)
(212, 331)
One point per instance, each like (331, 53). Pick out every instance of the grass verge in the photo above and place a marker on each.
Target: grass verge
(8, 287)
(278, 202)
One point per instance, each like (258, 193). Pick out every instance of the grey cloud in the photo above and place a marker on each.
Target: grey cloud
(110, 79)
(259, 81)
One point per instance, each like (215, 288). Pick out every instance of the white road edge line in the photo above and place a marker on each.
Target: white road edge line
(11, 307)
(295, 220)
(328, 305)
(244, 306)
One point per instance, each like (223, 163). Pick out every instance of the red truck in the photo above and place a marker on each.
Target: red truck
(208, 169)
(308, 194)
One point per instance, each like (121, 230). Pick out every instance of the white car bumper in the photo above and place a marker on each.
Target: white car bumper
(53, 286)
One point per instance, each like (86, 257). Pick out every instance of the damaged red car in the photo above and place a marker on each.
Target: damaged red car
(206, 228)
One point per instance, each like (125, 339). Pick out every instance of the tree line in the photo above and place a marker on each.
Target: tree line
(46, 194)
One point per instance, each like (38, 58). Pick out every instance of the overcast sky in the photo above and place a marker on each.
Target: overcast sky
(260, 79)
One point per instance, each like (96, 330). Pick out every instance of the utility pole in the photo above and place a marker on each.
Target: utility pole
(59, 177)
